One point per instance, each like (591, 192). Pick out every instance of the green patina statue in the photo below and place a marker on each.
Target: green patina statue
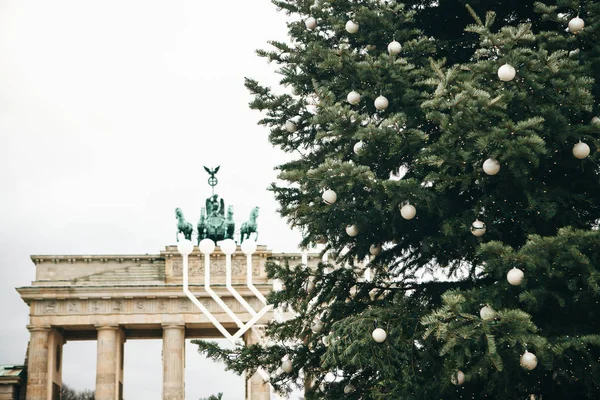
(213, 223)
(249, 226)
(182, 225)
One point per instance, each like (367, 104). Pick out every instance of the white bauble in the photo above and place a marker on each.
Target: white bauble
(290, 127)
(353, 97)
(581, 150)
(310, 23)
(486, 313)
(351, 27)
(528, 360)
(394, 48)
(379, 335)
(329, 197)
(316, 326)
(491, 166)
(185, 247)
(287, 366)
(596, 121)
(358, 146)
(515, 276)
(506, 72)
(478, 228)
(381, 103)
(458, 379)
(325, 340)
(375, 249)
(295, 91)
(310, 286)
(576, 25)
(408, 211)
(352, 230)
(349, 388)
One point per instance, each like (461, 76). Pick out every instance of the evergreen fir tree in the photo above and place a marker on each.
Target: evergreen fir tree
(456, 327)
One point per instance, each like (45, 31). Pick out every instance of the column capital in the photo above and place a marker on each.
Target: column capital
(173, 325)
(107, 327)
(39, 328)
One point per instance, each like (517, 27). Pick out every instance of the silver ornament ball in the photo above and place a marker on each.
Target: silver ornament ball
(458, 378)
(506, 73)
(528, 361)
(491, 166)
(329, 197)
(381, 103)
(394, 48)
(478, 228)
(352, 230)
(515, 276)
(353, 97)
(351, 27)
(576, 25)
(379, 335)
(581, 150)
(310, 23)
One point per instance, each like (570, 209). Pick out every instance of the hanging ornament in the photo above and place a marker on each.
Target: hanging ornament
(329, 197)
(317, 325)
(375, 249)
(290, 126)
(576, 25)
(379, 335)
(581, 150)
(358, 146)
(596, 121)
(294, 90)
(506, 73)
(352, 230)
(349, 388)
(394, 48)
(487, 313)
(478, 228)
(408, 211)
(351, 27)
(515, 276)
(325, 340)
(491, 166)
(310, 23)
(528, 360)
(458, 378)
(287, 366)
(381, 103)
(353, 98)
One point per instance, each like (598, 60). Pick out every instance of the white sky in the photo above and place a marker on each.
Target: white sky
(108, 111)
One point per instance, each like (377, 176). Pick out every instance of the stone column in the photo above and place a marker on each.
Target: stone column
(55, 352)
(173, 362)
(108, 367)
(256, 387)
(38, 384)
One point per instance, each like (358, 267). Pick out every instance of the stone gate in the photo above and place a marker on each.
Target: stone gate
(110, 298)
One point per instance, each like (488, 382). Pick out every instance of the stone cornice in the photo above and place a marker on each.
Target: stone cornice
(33, 293)
(38, 259)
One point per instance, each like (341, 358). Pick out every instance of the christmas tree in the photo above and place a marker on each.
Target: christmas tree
(461, 158)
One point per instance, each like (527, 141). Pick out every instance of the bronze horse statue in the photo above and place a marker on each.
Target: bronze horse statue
(249, 226)
(182, 225)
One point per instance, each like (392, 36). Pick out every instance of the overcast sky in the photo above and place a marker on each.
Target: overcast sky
(108, 111)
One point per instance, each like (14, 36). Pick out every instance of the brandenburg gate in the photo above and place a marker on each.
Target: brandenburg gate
(112, 298)
(183, 292)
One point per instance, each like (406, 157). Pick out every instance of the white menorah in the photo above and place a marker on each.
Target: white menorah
(228, 247)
